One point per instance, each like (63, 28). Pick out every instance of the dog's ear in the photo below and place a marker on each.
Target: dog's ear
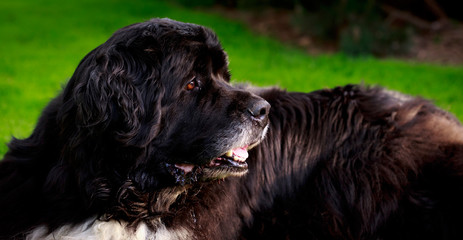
(116, 94)
(111, 111)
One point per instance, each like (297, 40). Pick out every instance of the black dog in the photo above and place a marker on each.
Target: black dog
(137, 145)
(145, 115)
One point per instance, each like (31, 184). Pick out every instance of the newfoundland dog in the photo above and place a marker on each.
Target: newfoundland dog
(148, 140)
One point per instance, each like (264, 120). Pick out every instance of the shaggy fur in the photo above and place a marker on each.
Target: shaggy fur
(146, 115)
(125, 152)
(346, 163)
(356, 163)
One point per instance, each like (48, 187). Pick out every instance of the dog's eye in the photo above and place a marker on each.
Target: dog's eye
(192, 84)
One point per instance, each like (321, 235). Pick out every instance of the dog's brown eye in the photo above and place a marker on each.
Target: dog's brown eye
(192, 84)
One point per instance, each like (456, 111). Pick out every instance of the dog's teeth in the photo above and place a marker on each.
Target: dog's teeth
(229, 153)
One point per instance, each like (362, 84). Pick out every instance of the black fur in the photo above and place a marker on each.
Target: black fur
(358, 163)
(115, 137)
(347, 163)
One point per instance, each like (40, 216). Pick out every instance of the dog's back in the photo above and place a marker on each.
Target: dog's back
(358, 163)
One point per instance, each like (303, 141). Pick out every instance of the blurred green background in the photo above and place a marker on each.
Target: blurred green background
(42, 41)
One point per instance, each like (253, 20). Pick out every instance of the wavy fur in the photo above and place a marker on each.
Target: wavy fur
(347, 163)
(109, 146)
(352, 162)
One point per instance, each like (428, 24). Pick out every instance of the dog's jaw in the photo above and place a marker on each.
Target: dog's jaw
(229, 163)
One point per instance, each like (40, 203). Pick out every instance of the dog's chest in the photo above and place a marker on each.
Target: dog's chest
(110, 230)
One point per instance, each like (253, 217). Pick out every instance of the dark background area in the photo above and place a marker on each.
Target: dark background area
(420, 30)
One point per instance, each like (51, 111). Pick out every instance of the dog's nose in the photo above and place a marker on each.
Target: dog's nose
(259, 110)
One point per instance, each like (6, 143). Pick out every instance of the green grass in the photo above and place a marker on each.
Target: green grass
(42, 41)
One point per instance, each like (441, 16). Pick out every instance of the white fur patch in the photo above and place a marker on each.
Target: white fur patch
(111, 230)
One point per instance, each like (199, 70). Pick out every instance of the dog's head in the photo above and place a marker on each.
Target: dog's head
(153, 104)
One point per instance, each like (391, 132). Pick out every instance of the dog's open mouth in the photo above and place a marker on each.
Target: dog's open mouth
(235, 158)
(231, 163)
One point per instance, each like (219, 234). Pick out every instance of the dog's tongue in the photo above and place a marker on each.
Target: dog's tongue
(241, 153)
